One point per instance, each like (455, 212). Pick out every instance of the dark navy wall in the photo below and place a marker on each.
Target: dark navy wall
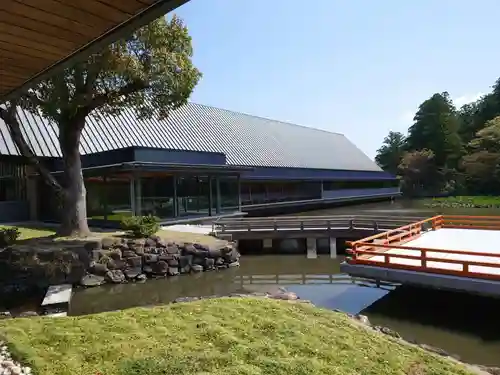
(260, 173)
(149, 155)
(12, 211)
(351, 193)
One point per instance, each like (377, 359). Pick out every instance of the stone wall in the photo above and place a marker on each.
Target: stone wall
(116, 260)
(113, 260)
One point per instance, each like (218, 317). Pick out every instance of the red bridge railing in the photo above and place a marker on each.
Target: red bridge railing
(374, 250)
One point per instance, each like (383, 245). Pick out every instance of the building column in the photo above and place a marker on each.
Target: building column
(239, 192)
(322, 190)
(132, 194)
(267, 243)
(333, 247)
(217, 195)
(106, 194)
(210, 197)
(138, 194)
(176, 203)
(31, 194)
(312, 252)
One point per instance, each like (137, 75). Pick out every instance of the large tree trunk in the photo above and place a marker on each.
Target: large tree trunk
(74, 209)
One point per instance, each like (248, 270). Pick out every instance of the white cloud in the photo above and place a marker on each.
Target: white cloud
(466, 99)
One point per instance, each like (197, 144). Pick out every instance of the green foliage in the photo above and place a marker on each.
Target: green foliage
(390, 154)
(465, 144)
(436, 129)
(464, 202)
(8, 236)
(416, 168)
(141, 226)
(150, 71)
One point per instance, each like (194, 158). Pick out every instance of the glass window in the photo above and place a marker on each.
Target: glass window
(118, 197)
(96, 198)
(12, 182)
(157, 196)
(193, 195)
(229, 193)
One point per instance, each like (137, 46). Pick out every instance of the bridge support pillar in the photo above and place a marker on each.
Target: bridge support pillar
(312, 252)
(333, 247)
(267, 243)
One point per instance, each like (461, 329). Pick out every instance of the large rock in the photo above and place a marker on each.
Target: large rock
(150, 242)
(116, 264)
(209, 263)
(132, 273)
(115, 254)
(110, 242)
(128, 254)
(92, 245)
(90, 280)
(115, 276)
(160, 268)
(185, 260)
(150, 258)
(196, 268)
(172, 249)
(173, 271)
(232, 256)
(135, 262)
(200, 246)
(99, 269)
(137, 245)
(215, 253)
(290, 296)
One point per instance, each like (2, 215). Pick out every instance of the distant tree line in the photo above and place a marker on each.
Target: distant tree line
(448, 150)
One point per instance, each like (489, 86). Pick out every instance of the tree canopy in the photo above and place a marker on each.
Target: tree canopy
(151, 72)
(464, 144)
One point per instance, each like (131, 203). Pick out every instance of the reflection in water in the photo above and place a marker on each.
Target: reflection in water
(461, 324)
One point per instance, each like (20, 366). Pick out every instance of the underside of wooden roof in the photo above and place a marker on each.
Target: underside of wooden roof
(38, 37)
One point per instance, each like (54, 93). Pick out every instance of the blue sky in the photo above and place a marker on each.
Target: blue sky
(358, 67)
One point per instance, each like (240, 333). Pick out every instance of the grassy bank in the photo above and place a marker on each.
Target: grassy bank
(464, 202)
(35, 233)
(219, 336)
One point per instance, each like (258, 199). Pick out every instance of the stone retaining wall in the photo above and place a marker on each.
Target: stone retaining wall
(116, 261)
(112, 260)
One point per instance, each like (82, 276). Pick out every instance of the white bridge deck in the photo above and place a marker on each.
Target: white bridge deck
(465, 240)
(444, 252)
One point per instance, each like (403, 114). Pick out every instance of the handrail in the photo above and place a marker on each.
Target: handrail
(323, 217)
(435, 220)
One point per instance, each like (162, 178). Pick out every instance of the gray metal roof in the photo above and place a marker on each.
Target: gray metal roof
(246, 140)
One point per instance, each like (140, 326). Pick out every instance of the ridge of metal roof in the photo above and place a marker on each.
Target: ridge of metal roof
(246, 140)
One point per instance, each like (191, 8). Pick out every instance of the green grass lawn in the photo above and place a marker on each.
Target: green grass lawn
(465, 201)
(34, 233)
(219, 336)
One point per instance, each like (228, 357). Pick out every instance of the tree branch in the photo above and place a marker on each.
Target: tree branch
(9, 117)
(102, 99)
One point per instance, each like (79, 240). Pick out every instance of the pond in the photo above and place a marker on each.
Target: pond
(458, 323)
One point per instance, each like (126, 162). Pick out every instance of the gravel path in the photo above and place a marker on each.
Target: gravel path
(8, 366)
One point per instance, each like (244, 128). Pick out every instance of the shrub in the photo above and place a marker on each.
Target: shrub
(141, 226)
(8, 236)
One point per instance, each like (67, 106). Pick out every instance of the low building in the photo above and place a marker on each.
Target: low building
(201, 161)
